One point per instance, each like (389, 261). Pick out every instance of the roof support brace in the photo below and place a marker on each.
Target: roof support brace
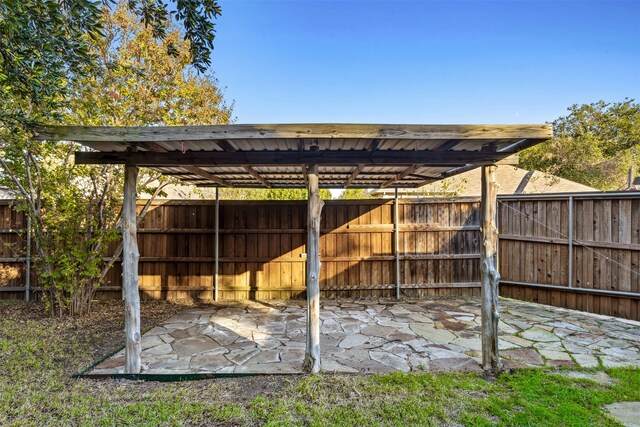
(228, 146)
(157, 148)
(402, 175)
(356, 171)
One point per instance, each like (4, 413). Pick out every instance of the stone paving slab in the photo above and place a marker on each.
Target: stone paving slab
(626, 413)
(367, 336)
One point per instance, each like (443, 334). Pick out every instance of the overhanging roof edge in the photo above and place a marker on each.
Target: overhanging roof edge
(454, 147)
(303, 130)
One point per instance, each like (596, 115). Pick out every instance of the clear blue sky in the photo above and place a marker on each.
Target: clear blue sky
(424, 61)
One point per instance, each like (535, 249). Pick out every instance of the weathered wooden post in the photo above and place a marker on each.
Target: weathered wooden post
(130, 255)
(315, 203)
(489, 271)
(216, 249)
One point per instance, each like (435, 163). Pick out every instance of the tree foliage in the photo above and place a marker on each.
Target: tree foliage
(75, 209)
(46, 45)
(356, 194)
(138, 83)
(594, 144)
(269, 194)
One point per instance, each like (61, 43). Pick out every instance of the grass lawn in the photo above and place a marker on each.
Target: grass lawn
(38, 354)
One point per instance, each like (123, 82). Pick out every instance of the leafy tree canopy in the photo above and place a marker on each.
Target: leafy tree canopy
(595, 144)
(75, 209)
(45, 45)
(140, 84)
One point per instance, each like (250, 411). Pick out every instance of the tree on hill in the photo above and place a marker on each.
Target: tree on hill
(595, 144)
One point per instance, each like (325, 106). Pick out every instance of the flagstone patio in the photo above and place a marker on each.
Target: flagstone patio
(378, 336)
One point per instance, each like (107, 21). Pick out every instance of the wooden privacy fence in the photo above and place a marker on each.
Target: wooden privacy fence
(13, 245)
(262, 250)
(579, 251)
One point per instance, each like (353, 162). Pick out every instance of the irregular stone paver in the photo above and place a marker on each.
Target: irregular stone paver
(585, 360)
(540, 335)
(523, 357)
(378, 331)
(266, 356)
(208, 362)
(151, 341)
(194, 345)
(439, 336)
(379, 336)
(332, 365)
(397, 363)
(455, 364)
(170, 364)
(353, 340)
(159, 350)
(613, 362)
(597, 376)
(419, 362)
(240, 356)
(626, 413)
(555, 355)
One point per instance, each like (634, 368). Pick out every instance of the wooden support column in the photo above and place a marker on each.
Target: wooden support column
(216, 248)
(130, 255)
(315, 203)
(489, 270)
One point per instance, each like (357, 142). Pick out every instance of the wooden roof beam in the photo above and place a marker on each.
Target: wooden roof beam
(399, 177)
(211, 177)
(353, 176)
(420, 176)
(257, 176)
(382, 176)
(277, 131)
(228, 146)
(291, 158)
(373, 146)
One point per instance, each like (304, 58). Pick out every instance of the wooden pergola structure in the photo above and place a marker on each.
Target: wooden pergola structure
(311, 156)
